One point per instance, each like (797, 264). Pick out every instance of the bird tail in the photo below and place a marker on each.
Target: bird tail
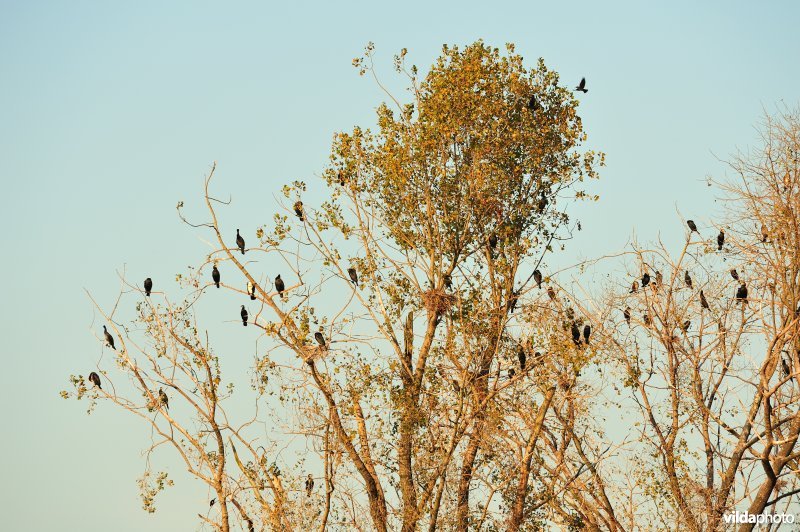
(244, 323)
(217, 284)
(252, 297)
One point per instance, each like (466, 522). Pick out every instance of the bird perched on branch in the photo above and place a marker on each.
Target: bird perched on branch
(148, 286)
(94, 378)
(720, 239)
(533, 105)
(522, 357)
(244, 315)
(239, 242)
(703, 302)
(492, 241)
(645, 279)
(582, 86)
(163, 399)
(741, 293)
(215, 275)
(764, 232)
(627, 315)
(587, 332)
(298, 210)
(537, 276)
(353, 275)
(551, 293)
(686, 325)
(279, 286)
(634, 287)
(687, 279)
(309, 485)
(251, 289)
(735, 274)
(109, 338)
(319, 338)
(576, 334)
(692, 226)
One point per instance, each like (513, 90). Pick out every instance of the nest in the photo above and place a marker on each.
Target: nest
(437, 301)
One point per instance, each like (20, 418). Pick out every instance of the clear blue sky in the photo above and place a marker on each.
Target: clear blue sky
(110, 113)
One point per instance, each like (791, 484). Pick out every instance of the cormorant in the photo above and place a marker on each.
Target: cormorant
(215, 275)
(692, 226)
(522, 358)
(148, 286)
(735, 274)
(279, 286)
(703, 302)
(109, 338)
(587, 332)
(720, 239)
(576, 334)
(239, 242)
(244, 315)
(537, 276)
(741, 293)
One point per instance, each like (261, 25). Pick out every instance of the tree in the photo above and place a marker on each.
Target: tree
(444, 212)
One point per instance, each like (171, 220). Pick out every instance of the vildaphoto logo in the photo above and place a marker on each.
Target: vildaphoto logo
(759, 519)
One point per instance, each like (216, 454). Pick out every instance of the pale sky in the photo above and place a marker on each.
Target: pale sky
(112, 112)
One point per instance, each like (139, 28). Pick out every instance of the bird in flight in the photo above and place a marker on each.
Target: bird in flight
(94, 378)
(692, 226)
(244, 315)
(109, 338)
(239, 242)
(353, 275)
(582, 86)
(215, 275)
(537, 276)
(148, 286)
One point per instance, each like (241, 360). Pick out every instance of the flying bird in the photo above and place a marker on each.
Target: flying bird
(244, 315)
(94, 378)
(537, 276)
(687, 279)
(251, 289)
(319, 338)
(148, 286)
(215, 275)
(627, 315)
(279, 286)
(720, 239)
(298, 210)
(764, 232)
(582, 86)
(735, 274)
(163, 399)
(741, 293)
(353, 275)
(239, 242)
(109, 338)
(703, 302)
(634, 287)
(692, 226)
(587, 332)
(309, 485)
(645, 279)
(522, 357)
(576, 334)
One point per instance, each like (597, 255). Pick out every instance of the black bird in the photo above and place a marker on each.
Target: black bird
(163, 399)
(582, 86)
(244, 315)
(576, 334)
(627, 315)
(148, 286)
(741, 293)
(687, 279)
(279, 285)
(686, 325)
(645, 279)
(109, 338)
(692, 226)
(551, 293)
(735, 274)
(94, 378)
(251, 289)
(239, 242)
(703, 302)
(309, 485)
(215, 275)
(587, 332)
(720, 239)
(533, 105)
(448, 281)
(353, 275)
(537, 276)
(512, 301)
(493, 241)
(319, 338)
(511, 373)
(522, 358)
(211, 502)
(785, 367)
(634, 287)
(764, 232)
(298, 210)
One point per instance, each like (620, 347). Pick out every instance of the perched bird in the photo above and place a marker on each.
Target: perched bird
(448, 281)
(785, 367)
(647, 320)
(244, 315)
(319, 338)
(492, 241)
(764, 232)
(298, 210)
(511, 373)
(645, 279)
(533, 105)
(309, 485)
(634, 287)
(279, 286)
(627, 315)
(215, 275)
(720, 239)
(659, 278)
(741, 293)
(148, 286)
(686, 325)
(94, 378)
(522, 357)
(687, 279)
(212, 502)
(692, 226)
(587, 332)
(582, 86)
(239, 242)
(512, 301)
(251, 289)
(551, 293)
(735, 274)
(703, 302)
(537, 276)
(576, 334)
(353, 275)
(163, 399)
(109, 338)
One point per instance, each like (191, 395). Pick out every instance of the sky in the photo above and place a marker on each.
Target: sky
(112, 112)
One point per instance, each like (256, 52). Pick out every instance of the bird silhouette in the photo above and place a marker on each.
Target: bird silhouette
(687, 279)
(587, 332)
(94, 378)
(239, 242)
(448, 281)
(720, 239)
(251, 289)
(109, 338)
(163, 399)
(244, 315)
(522, 357)
(645, 279)
(692, 226)
(279, 286)
(703, 302)
(537, 276)
(353, 275)
(215, 275)
(309, 485)
(582, 86)
(627, 315)
(686, 325)
(533, 105)
(634, 287)
(735, 274)
(764, 232)
(298, 210)
(785, 367)
(212, 502)
(148, 286)
(576, 334)
(492, 241)
(319, 338)
(741, 293)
